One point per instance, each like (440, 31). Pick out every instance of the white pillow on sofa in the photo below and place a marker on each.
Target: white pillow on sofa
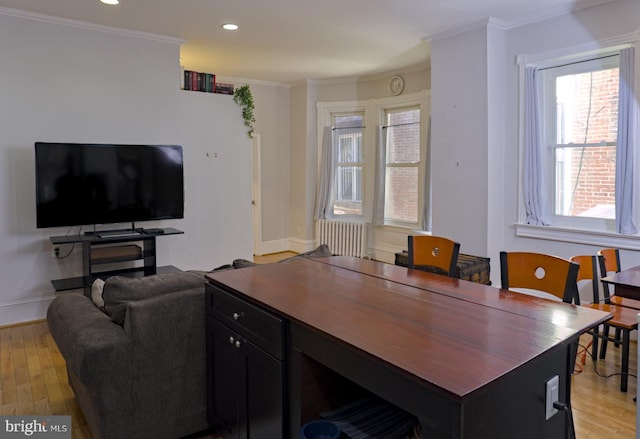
(96, 293)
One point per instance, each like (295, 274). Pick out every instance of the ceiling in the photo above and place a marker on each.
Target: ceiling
(286, 41)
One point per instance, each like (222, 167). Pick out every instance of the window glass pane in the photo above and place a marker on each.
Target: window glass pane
(348, 121)
(403, 116)
(403, 137)
(349, 147)
(585, 181)
(403, 159)
(586, 108)
(348, 199)
(348, 131)
(402, 194)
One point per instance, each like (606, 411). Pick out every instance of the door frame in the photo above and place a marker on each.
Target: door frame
(256, 194)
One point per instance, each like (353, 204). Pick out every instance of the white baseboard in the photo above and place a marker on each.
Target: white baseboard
(381, 252)
(300, 246)
(286, 245)
(385, 253)
(277, 246)
(24, 310)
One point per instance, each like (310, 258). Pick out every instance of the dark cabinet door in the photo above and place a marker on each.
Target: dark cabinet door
(223, 379)
(264, 381)
(245, 386)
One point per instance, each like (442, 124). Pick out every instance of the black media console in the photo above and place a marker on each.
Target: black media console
(113, 247)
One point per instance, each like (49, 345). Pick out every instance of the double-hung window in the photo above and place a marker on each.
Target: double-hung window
(580, 144)
(580, 131)
(348, 133)
(376, 169)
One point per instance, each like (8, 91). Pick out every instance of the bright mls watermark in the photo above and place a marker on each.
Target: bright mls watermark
(42, 427)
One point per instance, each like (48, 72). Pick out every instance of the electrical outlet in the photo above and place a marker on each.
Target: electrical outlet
(552, 393)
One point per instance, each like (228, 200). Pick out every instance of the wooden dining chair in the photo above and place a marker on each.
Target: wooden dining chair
(609, 262)
(540, 272)
(624, 319)
(433, 253)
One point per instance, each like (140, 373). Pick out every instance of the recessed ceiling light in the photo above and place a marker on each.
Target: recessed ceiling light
(110, 2)
(230, 26)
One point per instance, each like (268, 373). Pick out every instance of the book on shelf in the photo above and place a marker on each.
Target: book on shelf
(198, 81)
(224, 88)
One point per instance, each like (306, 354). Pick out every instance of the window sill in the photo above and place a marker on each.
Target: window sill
(409, 229)
(578, 236)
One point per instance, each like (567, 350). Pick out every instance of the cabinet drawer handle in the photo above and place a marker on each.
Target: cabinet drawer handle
(238, 344)
(231, 340)
(236, 315)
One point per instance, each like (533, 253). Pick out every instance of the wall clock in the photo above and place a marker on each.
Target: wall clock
(396, 85)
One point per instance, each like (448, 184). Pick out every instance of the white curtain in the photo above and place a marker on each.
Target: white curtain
(380, 175)
(326, 175)
(534, 172)
(627, 134)
(426, 199)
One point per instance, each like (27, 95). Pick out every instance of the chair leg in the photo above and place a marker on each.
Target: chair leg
(594, 344)
(624, 377)
(618, 337)
(603, 346)
(573, 354)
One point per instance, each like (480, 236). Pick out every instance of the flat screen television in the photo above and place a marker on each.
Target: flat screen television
(83, 184)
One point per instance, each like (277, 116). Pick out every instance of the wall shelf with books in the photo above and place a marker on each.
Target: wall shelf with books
(203, 82)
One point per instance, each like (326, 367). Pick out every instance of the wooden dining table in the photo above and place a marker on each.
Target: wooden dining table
(625, 282)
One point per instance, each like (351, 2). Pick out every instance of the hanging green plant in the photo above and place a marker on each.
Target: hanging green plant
(243, 97)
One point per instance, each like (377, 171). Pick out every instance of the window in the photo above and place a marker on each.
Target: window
(581, 108)
(348, 142)
(402, 174)
(376, 170)
(579, 148)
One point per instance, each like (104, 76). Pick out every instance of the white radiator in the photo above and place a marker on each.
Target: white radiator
(344, 238)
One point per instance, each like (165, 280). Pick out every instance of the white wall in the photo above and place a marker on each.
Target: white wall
(79, 83)
(272, 102)
(459, 139)
(302, 172)
(467, 105)
(376, 86)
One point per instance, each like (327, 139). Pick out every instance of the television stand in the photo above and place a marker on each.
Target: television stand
(113, 247)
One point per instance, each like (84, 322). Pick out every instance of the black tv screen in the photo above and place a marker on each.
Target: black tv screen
(81, 184)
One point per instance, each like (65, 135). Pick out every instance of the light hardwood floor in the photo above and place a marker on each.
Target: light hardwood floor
(33, 381)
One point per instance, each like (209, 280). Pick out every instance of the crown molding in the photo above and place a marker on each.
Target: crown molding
(481, 24)
(364, 78)
(590, 48)
(512, 24)
(236, 81)
(33, 16)
(557, 12)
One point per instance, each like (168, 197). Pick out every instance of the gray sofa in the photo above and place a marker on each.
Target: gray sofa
(138, 368)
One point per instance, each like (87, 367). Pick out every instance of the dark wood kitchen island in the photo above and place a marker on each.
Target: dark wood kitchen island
(467, 360)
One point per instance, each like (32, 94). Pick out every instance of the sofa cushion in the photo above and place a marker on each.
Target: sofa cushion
(242, 263)
(320, 251)
(118, 291)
